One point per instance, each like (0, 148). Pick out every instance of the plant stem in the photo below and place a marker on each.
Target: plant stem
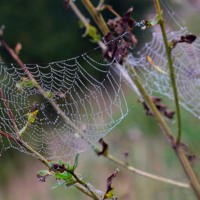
(101, 2)
(10, 114)
(132, 84)
(167, 132)
(85, 185)
(171, 68)
(79, 14)
(145, 174)
(44, 161)
(96, 16)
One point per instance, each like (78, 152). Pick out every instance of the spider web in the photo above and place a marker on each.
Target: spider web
(82, 96)
(80, 107)
(186, 63)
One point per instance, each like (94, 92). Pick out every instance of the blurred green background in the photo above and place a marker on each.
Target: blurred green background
(48, 32)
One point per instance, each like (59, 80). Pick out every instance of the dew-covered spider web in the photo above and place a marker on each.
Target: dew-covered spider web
(186, 63)
(78, 100)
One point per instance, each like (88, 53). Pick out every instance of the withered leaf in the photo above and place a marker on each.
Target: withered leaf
(185, 148)
(112, 49)
(155, 99)
(104, 148)
(126, 22)
(110, 190)
(188, 38)
(169, 114)
(113, 23)
(162, 108)
(148, 112)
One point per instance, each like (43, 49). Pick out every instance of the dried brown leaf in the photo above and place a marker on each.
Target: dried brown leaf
(109, 190)
(104, 148)
(188, 38)
(169, 114)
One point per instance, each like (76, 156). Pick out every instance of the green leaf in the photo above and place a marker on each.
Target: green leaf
(152, 22)
(93, 33)
(70, 182)
(64, 175)
(69, 167)
(60, 162)
(76, 161)
(109, 194)
(58, 184)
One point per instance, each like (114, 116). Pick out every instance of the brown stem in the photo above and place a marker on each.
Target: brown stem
(10, 113)
(111, 10)
(18, 141)
(96, 16)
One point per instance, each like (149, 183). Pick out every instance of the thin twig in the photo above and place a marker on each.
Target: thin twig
(100, 5)
(79, 14)
(186, 165)
(145, 174)
(96, 16)
(10, 113)
(171, 68)
(85, 185)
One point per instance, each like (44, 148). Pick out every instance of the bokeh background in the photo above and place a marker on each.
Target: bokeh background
(48, 32)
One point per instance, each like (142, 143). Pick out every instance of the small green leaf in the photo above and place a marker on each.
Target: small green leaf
(58, 184)
(70, 182)
(76, 161)
(60, 162)
(81, 24)
(109, 194)
(64, 175)
(152, 22)
(69, 167)
(93, 33)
